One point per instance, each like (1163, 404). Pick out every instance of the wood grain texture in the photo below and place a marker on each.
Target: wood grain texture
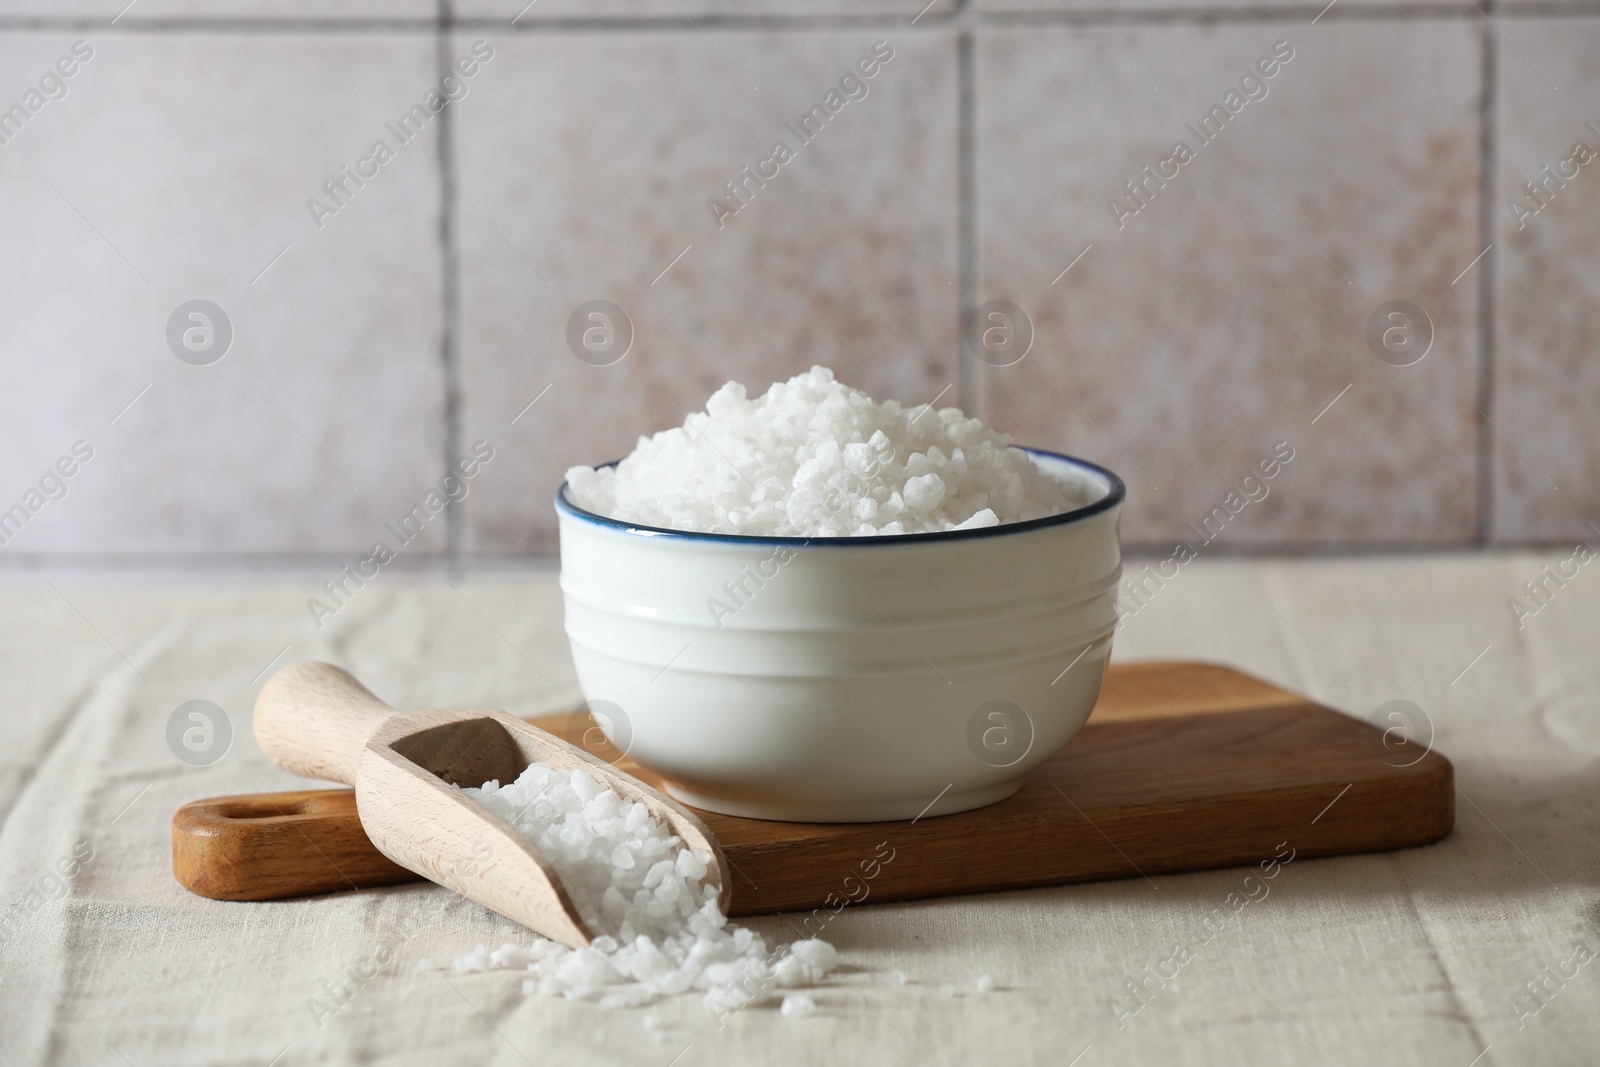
(261, 846)
(1181, 767)
(313, 719)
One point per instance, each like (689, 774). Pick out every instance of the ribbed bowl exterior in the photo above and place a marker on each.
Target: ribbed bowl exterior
(843, 682)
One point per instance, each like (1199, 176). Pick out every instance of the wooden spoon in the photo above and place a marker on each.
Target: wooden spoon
(316, 720)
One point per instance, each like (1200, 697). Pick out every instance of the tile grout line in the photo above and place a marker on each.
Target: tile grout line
(450, 291)
(1203, 15)
(967, 216)
(1488, 146)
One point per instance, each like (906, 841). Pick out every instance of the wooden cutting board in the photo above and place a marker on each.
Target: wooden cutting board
(1182, 767)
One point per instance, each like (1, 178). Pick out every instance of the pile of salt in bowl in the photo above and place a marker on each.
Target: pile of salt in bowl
(813, 457)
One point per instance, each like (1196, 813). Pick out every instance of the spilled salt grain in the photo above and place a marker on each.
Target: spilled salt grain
(797, 1004)
(510, 956)
(813, 457)
(898, 975)
(473, 962)
(985, 983)
(651, 901)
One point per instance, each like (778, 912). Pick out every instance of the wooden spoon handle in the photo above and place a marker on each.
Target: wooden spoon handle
(265, 846)
(313, 719)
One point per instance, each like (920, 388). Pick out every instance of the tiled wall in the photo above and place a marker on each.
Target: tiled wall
(1179, 344)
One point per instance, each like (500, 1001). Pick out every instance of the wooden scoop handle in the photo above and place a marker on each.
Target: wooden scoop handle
(313, 719)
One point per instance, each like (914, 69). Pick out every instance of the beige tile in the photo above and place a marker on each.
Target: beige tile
(1221, 319)
(543, 10)
(1308, 9)
(1547, 271)
(178, 167)
(125, 12)
(588, 161)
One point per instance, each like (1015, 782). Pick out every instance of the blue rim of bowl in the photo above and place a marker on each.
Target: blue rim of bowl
(1114, 496)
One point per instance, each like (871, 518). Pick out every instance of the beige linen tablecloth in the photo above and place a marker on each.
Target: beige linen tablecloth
(1423, 956)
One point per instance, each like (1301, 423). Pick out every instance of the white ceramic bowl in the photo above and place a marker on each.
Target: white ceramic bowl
(845, 679)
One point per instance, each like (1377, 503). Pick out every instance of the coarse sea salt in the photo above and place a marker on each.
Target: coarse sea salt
(813, 457)
(797, 1004)
(650, 898)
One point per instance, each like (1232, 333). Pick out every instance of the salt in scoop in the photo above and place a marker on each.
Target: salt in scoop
(315, 719)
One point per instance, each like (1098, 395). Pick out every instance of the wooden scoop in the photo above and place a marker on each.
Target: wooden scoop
(316, 720)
